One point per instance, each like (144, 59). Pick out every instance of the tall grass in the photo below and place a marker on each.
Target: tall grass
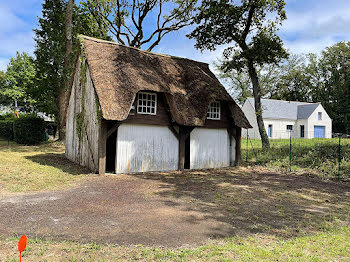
(318, 156)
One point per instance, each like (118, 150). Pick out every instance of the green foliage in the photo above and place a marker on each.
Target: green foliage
(18, 80)
(317, 155)
(6, 129)
(29, 130)
(80, 124)
(7, 116)
(6, 126)
(50, 49)
(225, 22)
(80, 118)
(333, 69)
(287, 80)
(3, 99)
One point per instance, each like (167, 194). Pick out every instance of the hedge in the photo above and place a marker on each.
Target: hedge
(6, 129)
(29, 130)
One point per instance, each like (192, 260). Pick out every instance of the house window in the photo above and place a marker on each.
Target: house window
(289, 127)
(302, 131)
(214, 111)
(147, 103)
(319, 115)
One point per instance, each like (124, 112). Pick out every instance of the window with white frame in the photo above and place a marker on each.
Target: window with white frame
(319, 115)
(214, 111)
(147, 103)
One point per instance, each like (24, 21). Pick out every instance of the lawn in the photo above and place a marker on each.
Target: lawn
(314, 156)
(36, 168)
(331, 245)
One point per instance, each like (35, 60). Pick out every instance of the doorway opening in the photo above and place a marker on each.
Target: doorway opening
(187, 152)
(111, 152)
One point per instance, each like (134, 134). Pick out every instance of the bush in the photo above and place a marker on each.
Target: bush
(6, 129)
(29, 130)
(8, 116)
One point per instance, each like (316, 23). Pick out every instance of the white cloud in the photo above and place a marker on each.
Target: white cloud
(15, 30)
(316, 26)
(9, 22)
(22, 42)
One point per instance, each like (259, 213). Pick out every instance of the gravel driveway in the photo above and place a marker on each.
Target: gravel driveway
(122, 210)
(177, 208)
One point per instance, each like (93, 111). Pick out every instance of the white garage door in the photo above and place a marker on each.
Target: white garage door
(142, 148)
(210, 148)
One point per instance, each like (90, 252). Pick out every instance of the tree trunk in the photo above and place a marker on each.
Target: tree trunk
(62, 100)
(257, 102)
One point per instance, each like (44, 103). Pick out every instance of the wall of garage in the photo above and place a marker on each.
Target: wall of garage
(142, 148)
(210, 148)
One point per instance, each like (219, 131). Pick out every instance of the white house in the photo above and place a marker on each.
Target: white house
(283, 119)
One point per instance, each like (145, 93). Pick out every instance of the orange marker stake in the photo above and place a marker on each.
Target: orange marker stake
(22, 243)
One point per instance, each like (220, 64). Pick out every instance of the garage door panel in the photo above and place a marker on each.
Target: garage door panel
(209, 148)
(142, 148)
(319, 131)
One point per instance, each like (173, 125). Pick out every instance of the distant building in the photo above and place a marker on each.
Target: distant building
(283, 119)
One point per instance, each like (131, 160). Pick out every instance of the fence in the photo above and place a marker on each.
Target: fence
(326, 156)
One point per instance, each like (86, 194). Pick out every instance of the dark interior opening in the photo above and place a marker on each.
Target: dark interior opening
(111, 151)
(187, 153)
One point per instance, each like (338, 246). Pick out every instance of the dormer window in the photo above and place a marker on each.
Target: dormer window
(147, 103)
(214, 111)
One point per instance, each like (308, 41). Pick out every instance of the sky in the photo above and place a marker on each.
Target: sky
(311, 26)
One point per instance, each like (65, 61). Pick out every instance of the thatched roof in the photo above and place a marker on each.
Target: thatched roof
(119, 72)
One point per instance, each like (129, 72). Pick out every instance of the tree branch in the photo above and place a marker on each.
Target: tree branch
(248, 22)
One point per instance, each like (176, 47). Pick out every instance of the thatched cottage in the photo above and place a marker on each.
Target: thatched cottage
(134, 111)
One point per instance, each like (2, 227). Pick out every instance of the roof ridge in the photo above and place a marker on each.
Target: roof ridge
(287, 101)
(138, 49)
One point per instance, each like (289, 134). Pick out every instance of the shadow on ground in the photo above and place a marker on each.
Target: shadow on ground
(257, 201)
(59, 160)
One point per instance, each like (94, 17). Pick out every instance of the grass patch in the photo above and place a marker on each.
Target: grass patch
(36, 168)
(331, 245)
(316, 156)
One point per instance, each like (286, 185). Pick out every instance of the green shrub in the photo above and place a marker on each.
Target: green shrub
(6, 129)
(8, 116)
(317, 155)
(29, 130)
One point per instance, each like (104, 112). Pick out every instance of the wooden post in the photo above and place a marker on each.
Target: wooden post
(102, 148)
(238, 145)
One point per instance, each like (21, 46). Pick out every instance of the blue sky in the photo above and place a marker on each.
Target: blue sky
(311, 26)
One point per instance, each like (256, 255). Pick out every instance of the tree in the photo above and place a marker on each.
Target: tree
(274, 79)
(252, 26)
(18, 80)
(3, 100)
(141, 22)
(297, 80)
(50, 38)
(68, 24)
(333, 90)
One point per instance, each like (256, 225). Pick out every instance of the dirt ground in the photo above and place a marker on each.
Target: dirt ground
(177, 208)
